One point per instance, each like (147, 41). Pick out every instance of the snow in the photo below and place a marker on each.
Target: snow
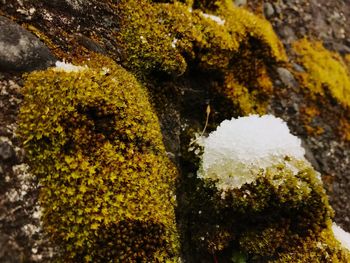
(173, 43)
(67, 67)
(216, 19)
(342, 236)
(239, 148)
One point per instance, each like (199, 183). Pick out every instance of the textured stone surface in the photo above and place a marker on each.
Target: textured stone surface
(286, 77)
(73, 27)
(21, 50)
(6, 151)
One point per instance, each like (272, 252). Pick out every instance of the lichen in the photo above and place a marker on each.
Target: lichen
(107, 186)
(326, 71)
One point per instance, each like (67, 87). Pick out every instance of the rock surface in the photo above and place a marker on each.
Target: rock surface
(76, 27)
(20, 50)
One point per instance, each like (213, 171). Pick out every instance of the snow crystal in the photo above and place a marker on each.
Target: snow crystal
(67, 67)
(342, 236)
(239, 148)
(173, 43)
(216, 19)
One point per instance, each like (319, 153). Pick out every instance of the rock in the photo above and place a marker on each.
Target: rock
(298, 67)
(268, 10)
(286, 77)
(336, 46)
(287, 33)
(6, 151)
(240, 2)
(20, 50)
(90, 44)
(310, 156)
(77, 6)
(277, 8)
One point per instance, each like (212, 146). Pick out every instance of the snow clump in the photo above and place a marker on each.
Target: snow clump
(216, 19)
(68, 67)
(239, 148)
(342, 236)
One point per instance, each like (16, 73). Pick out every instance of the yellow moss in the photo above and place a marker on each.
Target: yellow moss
(324, 69)
(284, 216)
(169, 37)
(107, 186)
(150, 30)
(320, 248)
(244, 100)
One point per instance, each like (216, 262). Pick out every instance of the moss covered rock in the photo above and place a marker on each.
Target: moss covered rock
(263, 200)
(326, 71)
(106, 183)
(174, 38)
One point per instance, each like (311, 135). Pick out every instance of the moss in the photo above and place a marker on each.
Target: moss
(170, 38)
(283, 216)
(165, 35)
(106, 183)
(248, 100)
(325, 70)
(321, 248)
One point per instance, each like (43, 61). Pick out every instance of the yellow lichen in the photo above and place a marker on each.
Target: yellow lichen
(107, 186)
(325, 70)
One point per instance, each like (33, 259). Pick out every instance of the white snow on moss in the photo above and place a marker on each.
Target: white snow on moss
(342, 236)
(216, 19)
(68, 67)
(173, 43)
(239, 148)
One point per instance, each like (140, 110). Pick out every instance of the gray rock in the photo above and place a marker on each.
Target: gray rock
(336, 46)
(277, 8)
(310, 156)
(6, 151)
(298, 68)
(287, 33)
(20, 50)
(268, 10)
(240, 2)
(286, 77)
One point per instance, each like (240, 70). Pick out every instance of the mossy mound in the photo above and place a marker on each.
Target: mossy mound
(283, 216)
(326, 71)
(173, 38)
(106, 183)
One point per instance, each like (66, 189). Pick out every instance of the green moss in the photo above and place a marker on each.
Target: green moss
(324, 70)
(106, 183)
(283, 216)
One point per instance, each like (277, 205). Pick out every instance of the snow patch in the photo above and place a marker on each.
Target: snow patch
(216, 19)
(342, 236)
(239, 148)
(68, 67)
